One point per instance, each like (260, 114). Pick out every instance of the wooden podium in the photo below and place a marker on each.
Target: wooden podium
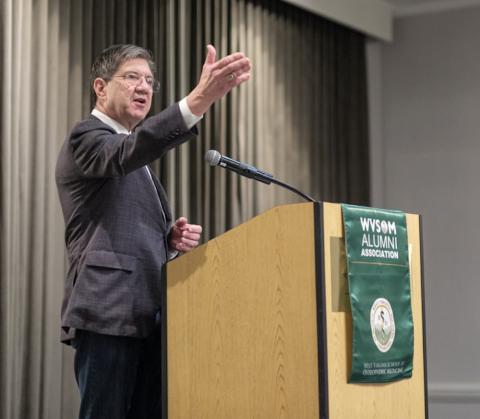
(257, 325)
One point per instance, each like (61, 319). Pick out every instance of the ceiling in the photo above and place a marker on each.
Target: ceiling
(408, 7)
(412, 2)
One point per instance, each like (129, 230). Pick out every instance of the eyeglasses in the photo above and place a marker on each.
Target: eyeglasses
(134, 79)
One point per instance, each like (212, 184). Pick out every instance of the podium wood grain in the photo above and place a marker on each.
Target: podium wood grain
(241, 310)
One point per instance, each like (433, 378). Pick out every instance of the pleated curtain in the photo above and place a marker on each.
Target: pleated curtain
(302, 117)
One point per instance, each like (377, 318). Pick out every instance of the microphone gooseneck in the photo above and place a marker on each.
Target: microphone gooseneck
(214, 158)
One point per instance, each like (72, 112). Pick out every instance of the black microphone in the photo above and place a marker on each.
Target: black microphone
(214, 158)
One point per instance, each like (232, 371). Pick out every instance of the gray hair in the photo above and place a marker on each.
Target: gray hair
(110, 59)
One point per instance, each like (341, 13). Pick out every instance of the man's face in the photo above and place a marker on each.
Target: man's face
(127, 97)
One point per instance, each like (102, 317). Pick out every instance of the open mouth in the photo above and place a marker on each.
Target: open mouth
(140, 100)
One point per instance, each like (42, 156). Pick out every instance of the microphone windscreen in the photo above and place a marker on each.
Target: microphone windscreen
(213, 157)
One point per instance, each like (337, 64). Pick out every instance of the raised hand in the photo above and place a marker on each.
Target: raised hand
(217, 79)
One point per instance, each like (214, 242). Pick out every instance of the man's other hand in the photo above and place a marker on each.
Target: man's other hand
(183, 236)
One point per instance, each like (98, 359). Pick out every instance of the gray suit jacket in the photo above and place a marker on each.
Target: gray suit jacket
(117, 221)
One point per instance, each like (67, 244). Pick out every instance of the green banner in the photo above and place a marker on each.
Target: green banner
(376, 245)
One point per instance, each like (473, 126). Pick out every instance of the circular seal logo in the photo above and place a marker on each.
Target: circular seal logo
(382, 324)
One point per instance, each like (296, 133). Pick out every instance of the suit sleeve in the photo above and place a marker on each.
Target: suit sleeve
(99, 152)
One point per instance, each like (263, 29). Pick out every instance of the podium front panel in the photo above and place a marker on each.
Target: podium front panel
(241, 314)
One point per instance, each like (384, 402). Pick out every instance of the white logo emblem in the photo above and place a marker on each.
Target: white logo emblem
(382, 324)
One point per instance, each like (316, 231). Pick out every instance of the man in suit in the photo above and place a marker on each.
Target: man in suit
(119, 230)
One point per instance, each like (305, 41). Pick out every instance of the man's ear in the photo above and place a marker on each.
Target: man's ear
(99, 86)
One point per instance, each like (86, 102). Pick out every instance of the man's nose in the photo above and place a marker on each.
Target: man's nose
(143, 85)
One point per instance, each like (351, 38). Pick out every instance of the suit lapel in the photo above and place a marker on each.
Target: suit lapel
(162, 196)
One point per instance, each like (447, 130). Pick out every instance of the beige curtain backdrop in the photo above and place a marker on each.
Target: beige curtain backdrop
(302, 117)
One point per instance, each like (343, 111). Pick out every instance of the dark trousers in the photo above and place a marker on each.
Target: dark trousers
(118, 377)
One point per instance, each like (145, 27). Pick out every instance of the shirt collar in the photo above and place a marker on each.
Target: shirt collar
(119, 128)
